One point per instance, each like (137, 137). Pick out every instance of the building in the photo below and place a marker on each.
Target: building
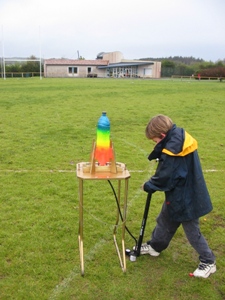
(110, 64)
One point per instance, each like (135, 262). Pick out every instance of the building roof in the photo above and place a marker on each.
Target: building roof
(127, 64)
(76, 62)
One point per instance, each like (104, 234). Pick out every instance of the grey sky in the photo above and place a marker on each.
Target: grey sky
(138, 29)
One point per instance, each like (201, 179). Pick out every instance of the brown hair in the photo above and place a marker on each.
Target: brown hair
(158, 125)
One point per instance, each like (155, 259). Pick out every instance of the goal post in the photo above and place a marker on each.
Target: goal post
(5, 60)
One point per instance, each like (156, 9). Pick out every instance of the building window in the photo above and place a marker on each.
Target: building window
(123, 72)
(72, 70)
(89, 70)
(148, 72)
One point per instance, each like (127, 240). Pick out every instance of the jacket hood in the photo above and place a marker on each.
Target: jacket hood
(177, 142)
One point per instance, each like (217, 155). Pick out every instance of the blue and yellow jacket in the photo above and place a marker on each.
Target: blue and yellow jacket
(179, 175)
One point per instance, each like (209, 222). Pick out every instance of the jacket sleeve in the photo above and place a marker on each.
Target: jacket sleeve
(163, 180)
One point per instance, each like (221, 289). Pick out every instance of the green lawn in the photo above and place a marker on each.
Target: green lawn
(47, 127)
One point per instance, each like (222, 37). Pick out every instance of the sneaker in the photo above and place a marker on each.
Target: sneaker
(204, 270)
(147, 249)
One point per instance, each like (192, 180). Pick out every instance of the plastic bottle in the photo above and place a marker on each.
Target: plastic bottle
(103, 151)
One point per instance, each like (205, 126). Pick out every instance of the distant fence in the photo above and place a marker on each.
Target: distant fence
(196, 78)
(21, 74)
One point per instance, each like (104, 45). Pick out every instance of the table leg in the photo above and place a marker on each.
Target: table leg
(116, 225)
(124, 224)
(122, 258)
(80, 232)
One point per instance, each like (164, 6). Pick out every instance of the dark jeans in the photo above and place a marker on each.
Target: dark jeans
(165, 230)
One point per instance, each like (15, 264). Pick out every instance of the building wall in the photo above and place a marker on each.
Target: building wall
(113, 57)
(150, 71)
(60, 71)
(157, 69)
(55, 71)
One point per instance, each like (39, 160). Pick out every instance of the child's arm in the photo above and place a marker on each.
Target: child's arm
(166, 176)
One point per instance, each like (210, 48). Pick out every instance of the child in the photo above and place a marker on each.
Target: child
(179, 175)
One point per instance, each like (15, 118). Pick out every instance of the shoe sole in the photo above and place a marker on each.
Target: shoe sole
(151, 254)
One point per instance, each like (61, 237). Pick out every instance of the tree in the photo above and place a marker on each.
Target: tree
(213, 72)
(168, 67)
(31, 66)
(13, 68)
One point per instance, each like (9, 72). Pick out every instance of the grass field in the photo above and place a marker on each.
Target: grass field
(47, 126)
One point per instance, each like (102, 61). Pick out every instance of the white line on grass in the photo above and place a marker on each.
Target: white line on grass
(74, 171)
(38, 171)
(54, 171)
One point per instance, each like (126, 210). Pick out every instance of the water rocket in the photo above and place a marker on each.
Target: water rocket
(103, 150)
(102, 162)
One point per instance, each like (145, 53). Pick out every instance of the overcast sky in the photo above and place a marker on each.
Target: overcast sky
(139, 29)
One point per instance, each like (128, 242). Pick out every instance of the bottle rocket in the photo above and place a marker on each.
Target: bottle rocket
(103, 151)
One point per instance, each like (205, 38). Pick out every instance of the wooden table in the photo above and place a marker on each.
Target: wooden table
(104, 173)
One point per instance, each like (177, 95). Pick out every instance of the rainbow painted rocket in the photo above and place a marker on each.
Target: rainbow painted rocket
(103, 150)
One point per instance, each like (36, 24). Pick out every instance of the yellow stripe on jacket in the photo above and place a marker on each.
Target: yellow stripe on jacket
(189, 146)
